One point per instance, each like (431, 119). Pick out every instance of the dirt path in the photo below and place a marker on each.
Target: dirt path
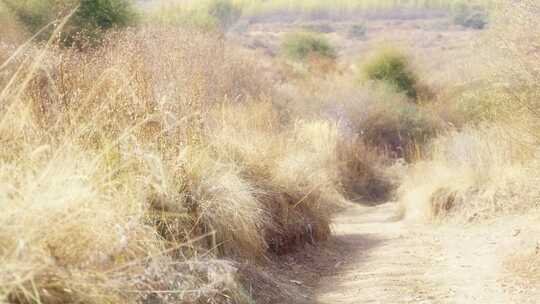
(377, 259)
(385, 261)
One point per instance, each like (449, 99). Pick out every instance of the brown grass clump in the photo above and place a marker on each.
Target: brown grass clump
(379, 116)
(296, 170)
(65, 237)
(363, 172)
(473, 173)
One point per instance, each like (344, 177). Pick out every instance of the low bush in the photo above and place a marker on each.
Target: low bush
(474, 173)
(393, 124)
(393, 68)
(473, 19)
(362, 172)
(357, 31)
(303, 46)
(295, 170)
(384, 120)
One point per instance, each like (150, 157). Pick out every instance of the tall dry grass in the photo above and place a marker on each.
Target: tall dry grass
(151, 167)
(471, 174)
(489, 166)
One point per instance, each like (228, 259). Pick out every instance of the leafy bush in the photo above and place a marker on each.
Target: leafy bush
(392, 67)
(303, 46)
(357, 31)
(103, 14)
(91, 18)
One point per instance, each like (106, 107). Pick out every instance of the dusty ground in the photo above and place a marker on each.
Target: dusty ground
(374, 258)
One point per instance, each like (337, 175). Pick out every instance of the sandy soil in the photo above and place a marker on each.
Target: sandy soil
(374, 258)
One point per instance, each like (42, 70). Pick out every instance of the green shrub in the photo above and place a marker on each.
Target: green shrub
(393, 68)
(91, 18)
(303, 46)
(104, 14)
(357, 31)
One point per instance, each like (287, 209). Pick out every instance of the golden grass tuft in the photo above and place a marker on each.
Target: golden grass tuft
(473, 173)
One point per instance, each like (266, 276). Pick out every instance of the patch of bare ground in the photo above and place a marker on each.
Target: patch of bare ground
(374, 258)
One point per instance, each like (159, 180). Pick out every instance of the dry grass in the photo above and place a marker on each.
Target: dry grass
(526, 265)
(150, 167)
(489, 166)
(471, 174)
(295, 170)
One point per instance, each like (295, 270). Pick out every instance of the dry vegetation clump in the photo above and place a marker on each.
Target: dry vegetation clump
(393, 68)
(295, 169)
(399, 127)
(65, 236)
(473, 173)
(378, 126)
(150, 167)
(309, 51)
(107, 186)
(488, 166)
(363, 173)
(378, 115)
